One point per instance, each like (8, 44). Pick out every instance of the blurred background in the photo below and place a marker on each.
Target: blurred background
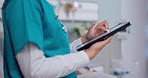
(127, 55)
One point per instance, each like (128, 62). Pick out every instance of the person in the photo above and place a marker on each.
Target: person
(36, 46)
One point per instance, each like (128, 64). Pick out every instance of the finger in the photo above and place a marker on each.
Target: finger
(105, 29)
(102, 28)
(94, 26)
(106, 41)
(103, 24)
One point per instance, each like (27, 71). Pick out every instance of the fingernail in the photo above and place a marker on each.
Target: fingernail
(108, 30)
(96, 24)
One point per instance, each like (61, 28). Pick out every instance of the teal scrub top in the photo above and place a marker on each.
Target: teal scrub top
(32, 21)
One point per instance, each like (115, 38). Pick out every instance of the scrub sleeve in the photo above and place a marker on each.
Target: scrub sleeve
(23, 22)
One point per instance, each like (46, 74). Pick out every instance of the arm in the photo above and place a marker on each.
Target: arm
(34, 64)
(94, 31)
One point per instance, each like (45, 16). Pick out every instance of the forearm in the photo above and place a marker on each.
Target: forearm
(34, 64)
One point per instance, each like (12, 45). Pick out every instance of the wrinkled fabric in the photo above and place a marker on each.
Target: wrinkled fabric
(32, 21)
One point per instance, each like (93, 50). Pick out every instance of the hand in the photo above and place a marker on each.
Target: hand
(96, 48)
(95, 30)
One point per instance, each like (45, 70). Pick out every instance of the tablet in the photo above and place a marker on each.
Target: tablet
(104, 36)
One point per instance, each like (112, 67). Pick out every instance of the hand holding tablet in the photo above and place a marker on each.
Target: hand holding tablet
(104, 36)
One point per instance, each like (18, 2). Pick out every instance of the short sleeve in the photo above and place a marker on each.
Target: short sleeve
(24, 23)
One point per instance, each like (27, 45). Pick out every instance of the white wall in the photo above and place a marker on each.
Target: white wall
(134, 47)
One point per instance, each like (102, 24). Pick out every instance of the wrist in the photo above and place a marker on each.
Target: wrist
(91, 54)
